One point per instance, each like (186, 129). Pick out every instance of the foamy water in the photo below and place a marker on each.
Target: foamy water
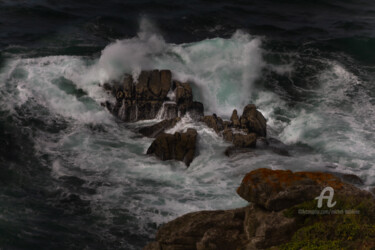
(331, 128)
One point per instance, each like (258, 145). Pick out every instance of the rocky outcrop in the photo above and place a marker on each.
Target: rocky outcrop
(179, 146)
(143, 98)
(155, 95)
(274, 219)
(252, 121)
(243, 132)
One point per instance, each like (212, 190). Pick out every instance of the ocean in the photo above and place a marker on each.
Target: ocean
(72, 176)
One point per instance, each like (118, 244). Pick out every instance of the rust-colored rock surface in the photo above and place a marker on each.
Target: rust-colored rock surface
(279, 189)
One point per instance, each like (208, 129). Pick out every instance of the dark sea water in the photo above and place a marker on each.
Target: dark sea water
(74, 177)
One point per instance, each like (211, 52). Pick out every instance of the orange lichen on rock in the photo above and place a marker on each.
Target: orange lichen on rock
(279, 179)
(323, 179)
(279, 189)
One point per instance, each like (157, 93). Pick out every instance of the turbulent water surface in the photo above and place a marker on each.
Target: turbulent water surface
(72, 176)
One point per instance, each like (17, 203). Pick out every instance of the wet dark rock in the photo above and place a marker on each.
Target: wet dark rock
(273, 145)
(242, 132)
(107, 87)
(245, 140)
(142, 98)
(179, 146)
(232, 150)
(159, 128)
(253, 121)
(169, 110)
(262, 143)
(196, 110)
(228, 135)
(183, 93)
(214, 122)
(235, 121)
(165, 81)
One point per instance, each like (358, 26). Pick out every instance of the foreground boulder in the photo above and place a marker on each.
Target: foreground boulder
(179, 146)
(277, 217)
(279, 189)
(245, 228)
(153, 92)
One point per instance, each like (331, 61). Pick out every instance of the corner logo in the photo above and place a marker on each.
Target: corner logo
(328, 197)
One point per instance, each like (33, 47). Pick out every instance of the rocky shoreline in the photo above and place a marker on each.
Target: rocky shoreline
(273, 218)
(282, 214)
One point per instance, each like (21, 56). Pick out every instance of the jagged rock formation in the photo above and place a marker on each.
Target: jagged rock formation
(242, 131)
(179, 146)
(274, 218)
(153, 92)
(155, 95)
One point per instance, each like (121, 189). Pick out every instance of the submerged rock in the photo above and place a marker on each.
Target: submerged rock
(232, 150)
(159, 128)
(179, 146)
